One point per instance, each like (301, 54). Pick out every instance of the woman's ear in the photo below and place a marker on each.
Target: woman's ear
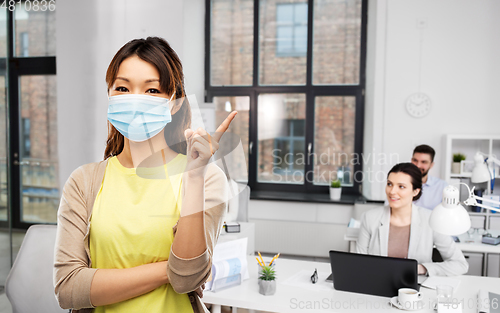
(416, 191)
(175, 105)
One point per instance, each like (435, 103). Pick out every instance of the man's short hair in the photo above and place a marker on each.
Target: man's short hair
(425, 149)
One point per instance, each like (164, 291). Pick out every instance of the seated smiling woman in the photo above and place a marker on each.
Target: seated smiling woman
(401, 229)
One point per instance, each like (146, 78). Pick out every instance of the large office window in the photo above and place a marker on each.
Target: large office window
(28, 141)
(300, 67)
(28, 147)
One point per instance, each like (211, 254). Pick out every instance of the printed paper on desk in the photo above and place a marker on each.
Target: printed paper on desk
(230, 249)
(228, 261)
(488, 302)
(448, 308)
(483, 301)
(434, 281)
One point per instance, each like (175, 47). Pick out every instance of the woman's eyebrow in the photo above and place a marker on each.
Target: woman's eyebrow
(146, 81)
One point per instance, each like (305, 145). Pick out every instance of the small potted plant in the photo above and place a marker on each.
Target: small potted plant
(267, 280)
(335, 190)
(457, 158)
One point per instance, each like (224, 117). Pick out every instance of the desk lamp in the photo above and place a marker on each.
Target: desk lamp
(450, 217)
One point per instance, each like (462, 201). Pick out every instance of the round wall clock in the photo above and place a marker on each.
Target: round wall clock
(418, 104)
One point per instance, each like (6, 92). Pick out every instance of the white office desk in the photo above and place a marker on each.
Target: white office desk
(463, 245)
(477, 246)
(295, 299)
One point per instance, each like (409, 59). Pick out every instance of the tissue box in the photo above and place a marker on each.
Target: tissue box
(232, 227)
(491, 240)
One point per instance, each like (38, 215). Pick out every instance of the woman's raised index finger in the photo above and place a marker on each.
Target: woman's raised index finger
(224, 126)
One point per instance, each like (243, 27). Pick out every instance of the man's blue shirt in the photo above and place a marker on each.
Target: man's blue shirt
(432, 193)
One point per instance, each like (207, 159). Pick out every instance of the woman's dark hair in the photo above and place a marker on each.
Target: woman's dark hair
(413, 171)
(158, 53)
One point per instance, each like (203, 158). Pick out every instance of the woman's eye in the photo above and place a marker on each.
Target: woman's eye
(402, 187)
(152, 90)
(389, 184)
(121, 89)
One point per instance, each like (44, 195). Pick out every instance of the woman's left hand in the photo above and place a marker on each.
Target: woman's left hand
(421, 270)
(201, 146)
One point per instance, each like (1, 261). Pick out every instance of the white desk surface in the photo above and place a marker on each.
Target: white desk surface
(477, 245)
(295, 299)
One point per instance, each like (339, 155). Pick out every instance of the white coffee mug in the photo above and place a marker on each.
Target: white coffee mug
(409, 298)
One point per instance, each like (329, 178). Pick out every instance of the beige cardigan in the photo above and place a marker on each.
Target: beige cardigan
(72, 266)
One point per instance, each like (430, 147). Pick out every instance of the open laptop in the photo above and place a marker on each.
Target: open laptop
(371, 274)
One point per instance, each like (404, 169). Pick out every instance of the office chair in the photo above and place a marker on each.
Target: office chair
(243, 199)
(29, 286)
(239, 197)
(436, 256)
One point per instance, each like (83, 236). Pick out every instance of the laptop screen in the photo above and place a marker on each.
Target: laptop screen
(371, 274)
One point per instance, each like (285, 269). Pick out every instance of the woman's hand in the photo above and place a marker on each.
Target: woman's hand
(201, 146)
(421, 270)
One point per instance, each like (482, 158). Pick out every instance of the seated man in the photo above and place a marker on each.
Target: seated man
(432, 187)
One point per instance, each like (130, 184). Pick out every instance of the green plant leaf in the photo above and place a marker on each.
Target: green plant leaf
(336, 184)
(457, 157)
(267, 273)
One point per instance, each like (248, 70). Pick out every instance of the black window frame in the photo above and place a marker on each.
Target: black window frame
(309, 89)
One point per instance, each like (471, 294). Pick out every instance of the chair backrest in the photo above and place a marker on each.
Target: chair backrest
(29, 286)
(243, 199)
(239, 196)
(361, 208)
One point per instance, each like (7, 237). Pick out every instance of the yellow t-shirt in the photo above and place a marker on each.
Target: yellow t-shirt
(131, 225)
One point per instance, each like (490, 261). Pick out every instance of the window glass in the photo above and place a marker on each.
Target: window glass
(281, 155)
(336, 42)
(236, 134)
(231, 43)
(291, 29)
(3, 35)
(35, 29)
(334, 139)
(282, 42)
(3, 153)
(38, 140)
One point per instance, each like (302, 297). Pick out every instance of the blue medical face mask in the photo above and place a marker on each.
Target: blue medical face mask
(139, 117)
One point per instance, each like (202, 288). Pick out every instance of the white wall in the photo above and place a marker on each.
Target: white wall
(193, 57)
(460, 66)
